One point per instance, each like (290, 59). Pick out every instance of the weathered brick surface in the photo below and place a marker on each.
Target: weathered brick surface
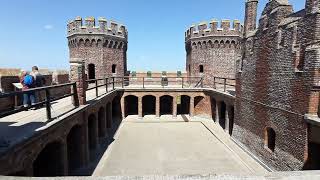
(216, 49)
(100, 45)
(275, 87)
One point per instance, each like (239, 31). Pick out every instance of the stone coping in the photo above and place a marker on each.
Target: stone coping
(296, 175)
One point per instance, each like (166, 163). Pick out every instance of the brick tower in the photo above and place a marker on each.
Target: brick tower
(277, 92)
(103, 47)
(212, 50)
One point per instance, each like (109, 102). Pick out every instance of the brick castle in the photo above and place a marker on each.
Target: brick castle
(103, 47)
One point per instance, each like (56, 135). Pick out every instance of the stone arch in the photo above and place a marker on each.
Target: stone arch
(99, 43)
(222, 114)
(92, 131)
(221, 44)
(105, 44)
(110, 44)
(198, 102)
(184, 106)
(228, 45)
(93, 42)
(204, 45)
(216, 44)
(81, 42)
(148, 105)
(270, 138)
(166, 105)
(75, 148)
(194, 45)
(131, 105)
(50, 161)
(115, 46)
(87, 43)
(210, 44)
(233, 44)
(120, 45)
(199, 45)
(101, 122)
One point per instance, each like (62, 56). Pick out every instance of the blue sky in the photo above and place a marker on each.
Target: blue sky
(33, 32)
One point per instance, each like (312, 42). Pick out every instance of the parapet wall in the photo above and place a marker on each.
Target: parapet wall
(213, 29)
(89, 26)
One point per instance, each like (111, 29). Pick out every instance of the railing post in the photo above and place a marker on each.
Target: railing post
(143, 82)
(182, 82)
(201, 82)
(122, 82)
(106, 84)
(214, 82)
(96, 83)
(75, 100)
(113, 83)
(48, 104)
(225, 84)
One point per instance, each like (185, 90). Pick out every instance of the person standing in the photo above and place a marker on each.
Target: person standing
(27, 82)
(39, 82)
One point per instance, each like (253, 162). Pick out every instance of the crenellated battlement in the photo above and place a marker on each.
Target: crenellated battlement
(213, 28)
(90, 26)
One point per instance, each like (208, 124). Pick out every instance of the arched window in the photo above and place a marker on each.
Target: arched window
(270, 139)
(92, 71)
(201, 69)
(114, 68)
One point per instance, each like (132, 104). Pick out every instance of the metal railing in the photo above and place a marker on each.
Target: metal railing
(161, 82)
(111, 83)
(224, 82)
(46, 102)
(106, 82)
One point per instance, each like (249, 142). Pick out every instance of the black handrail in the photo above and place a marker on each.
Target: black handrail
(48, 98)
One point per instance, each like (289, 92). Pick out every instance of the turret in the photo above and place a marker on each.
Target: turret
(250, 20)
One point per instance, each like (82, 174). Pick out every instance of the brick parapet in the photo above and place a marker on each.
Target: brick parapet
(88, 26)
(212, 29)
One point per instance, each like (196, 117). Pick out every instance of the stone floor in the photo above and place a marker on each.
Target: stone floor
(168, 146)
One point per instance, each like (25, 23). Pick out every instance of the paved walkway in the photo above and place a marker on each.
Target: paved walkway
(168, 146)
(20, 126)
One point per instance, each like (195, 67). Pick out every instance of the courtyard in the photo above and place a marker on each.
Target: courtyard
(173, 146)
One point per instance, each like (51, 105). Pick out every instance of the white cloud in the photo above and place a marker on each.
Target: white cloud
(48, 27)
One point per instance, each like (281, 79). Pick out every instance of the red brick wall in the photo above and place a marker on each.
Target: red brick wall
(272, 92)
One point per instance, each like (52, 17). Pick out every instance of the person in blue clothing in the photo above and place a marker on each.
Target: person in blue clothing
(27, 82)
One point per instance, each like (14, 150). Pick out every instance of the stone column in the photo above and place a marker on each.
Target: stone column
(77, 74)
(96, 131)
(140, 107)
(174, 106)
(64, 160)
(104, 122)
(157, 106)
(227, 122)
(123, 108)
(85, 139)
(218, 110)
(191, 106)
